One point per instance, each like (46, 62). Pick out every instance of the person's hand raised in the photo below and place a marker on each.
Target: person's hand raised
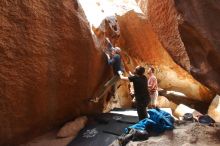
(108, 56)
(130, 73)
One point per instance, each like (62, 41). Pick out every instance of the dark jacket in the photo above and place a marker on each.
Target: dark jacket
(115, 61)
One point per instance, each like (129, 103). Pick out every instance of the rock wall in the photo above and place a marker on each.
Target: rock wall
(146, 44)
(214, 109)
(163, 18)
(143, 47)
(188, 30)
(48, 67)
(200, 33)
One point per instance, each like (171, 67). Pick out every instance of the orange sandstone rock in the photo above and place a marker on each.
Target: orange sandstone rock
(163, 18)
(48, 67)
(190, 32)
(141, 43)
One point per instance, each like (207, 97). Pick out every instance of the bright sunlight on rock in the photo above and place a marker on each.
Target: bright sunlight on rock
(78, 63)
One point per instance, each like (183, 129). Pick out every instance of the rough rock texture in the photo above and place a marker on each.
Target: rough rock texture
(179, 98)
(163, 18)
(200, 33)
(188, 30)
(72, 128)
(163, 102)
(214, 109)
(143, 47)
(147, 44)
(182, 109)
(48, 67)
(109, 28)
(140, 45)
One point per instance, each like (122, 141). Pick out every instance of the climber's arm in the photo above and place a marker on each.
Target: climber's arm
(124, 78)
(130, 73)
(110, 60)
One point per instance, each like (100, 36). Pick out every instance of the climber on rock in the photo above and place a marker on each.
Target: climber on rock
(140, 90)
(114, 59)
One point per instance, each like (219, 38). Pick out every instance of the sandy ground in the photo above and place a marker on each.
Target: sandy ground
(185, 134)
(49, 139)
(188, 134)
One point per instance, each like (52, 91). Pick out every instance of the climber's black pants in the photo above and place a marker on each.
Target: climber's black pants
(141, 109)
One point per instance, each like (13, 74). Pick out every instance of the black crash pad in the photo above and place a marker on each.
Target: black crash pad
(104, 129)
(93, 136)
(105, 118)
(116, 128)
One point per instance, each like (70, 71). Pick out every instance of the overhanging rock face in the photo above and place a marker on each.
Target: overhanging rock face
(190, 32)
(163, 17)
(143, 47)
(200, 33)
(49, 66)
(142, 44)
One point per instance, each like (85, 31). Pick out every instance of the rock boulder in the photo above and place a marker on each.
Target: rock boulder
(49, 67)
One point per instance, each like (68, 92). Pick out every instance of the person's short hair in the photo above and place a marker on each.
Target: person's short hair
(152, 69)
(139, 70)
(117, 49)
